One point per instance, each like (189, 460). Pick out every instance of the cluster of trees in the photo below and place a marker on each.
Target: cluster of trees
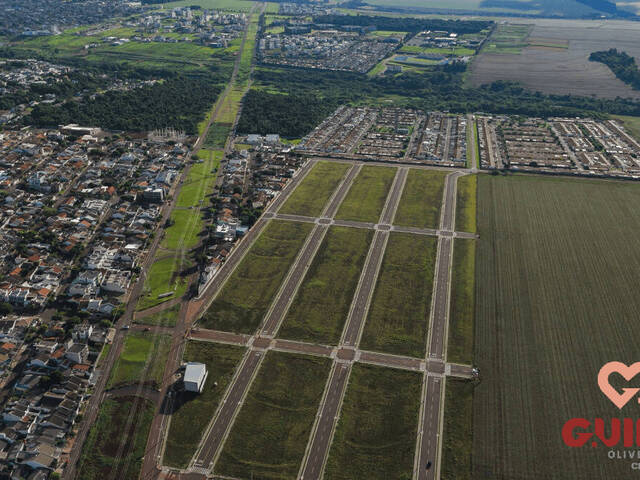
(178, 102)
(621, 64)
(406, 24)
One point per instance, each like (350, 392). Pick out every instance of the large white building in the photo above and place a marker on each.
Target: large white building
(195, 374)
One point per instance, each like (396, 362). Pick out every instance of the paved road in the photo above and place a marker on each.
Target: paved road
(336, 200)
(430, 429)
(393, 199)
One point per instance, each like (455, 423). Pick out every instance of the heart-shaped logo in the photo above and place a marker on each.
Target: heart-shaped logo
(619, 400)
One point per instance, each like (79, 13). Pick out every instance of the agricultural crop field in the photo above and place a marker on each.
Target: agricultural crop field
(142, 359)
(557, 298)
(269, 436)
(192, 412)
(555, 59)
(421, 199)
(313, 193)
(366, 198)
(165, 276)
(320, 308)
(376, 434)
(100, 455)
(399, 313)
(247, 295)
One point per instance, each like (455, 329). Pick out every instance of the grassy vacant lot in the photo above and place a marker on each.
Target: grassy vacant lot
(367, 195)
(247, 295)
(466, 201)
(165, 318)
(321, 306)
(631, 125)
(315, 190)
(460, 344)
(269, 437)
(399, 314)
(557, 298)
(143, 357)
(376, 434)
(98, 458)
(184, 231)
(200, 180)
(458, 430)
(194, 411)
(164, 276)
(421, 200)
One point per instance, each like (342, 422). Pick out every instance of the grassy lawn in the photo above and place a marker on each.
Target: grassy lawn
(165, 318)
(247, 295)
(421, 199)
(399, 314)
(376, 434)
(193, 412)
(557, 298)
(458, 430)
(269, 437)
(200, 180)
(366, 198)
(466, 200)
(312, 194)
(98, 458)
(184, 231)
(320, 308)
(164, 276)
(142, 359)
(460, 343)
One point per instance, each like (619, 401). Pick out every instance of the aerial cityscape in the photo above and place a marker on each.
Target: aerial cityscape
(337, 239)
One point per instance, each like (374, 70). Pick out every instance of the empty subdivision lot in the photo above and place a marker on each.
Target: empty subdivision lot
(192, 412)
(376, 434)
(399, 313)
(269, 437)
(320, 308)
(557, 298)
(312, 194)
(466, 200)
(245, 298)
(421, 199)
(460, 335)
(367, 195)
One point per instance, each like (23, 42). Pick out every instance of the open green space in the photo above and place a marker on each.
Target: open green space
(314, 192)
(556, 293)
(472, 138)
(457, 430)
(193, 411)
(366, 198)
(421, 199)
(247, 295)
(460, 343)
(231, 5)
(164, 318)
(111, 435)
(200, 180)
(508, 38)
(320, 308)
(184, 231)
(631, 125)
(269, 437)
(143, 358)
(217, 135)
(164, 277)
(466, 200)
(398, 318)
(376, 435)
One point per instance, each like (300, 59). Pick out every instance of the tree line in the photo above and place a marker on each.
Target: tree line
(405, 24)
(621, 64)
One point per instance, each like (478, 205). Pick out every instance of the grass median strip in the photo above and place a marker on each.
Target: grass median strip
(184, 231)
(143, 356)
(192, 412)
(458, 430)
(367, 195)
(320, 308)
(200, 179)
(466, 204)
(314, 192)
(422, 199)
(376, 434)
(399, 314)
(247, 295)
(460, 343)
(165, 281)
(164, 318)
(269, 436)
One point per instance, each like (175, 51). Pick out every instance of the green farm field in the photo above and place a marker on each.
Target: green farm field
(192, 411)
(319, 310)
(556, 290)
(376, 434)
(269, 436)
(143, 358)
(366, 198)
(421, 199)
(311, 196)
(399, 314)
(247, 295)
